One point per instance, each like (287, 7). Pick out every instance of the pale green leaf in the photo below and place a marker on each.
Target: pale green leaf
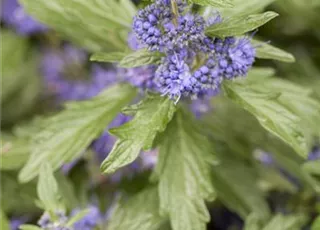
(14, 152)
(47, 188)
(67, 191)
(4, 223)
(266, 51)
(24, 194)
(108, 57)
(139, 212)
(152, 116)
(289, 222)
(69, 132)
(215, 3)
(185, 159)
(139, 58)
(236, 186)
(244, 8)
(253, 222)
(96, 25)
(239, 25)
(262, 100)
(29, 227)
(12, 56)
(312, 167)
(316, 224)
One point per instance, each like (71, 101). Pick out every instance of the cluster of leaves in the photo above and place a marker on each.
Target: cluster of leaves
(199, 162)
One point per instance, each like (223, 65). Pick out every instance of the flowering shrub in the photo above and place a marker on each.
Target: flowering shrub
(162, 114)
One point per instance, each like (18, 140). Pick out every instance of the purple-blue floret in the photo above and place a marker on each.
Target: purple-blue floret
(14, 15)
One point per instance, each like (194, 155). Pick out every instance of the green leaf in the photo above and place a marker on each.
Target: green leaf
(316, 224)
(96, 25)
(12, 56)
(14, 152)
(29, 227)
(290, 222)
(4, 223)
(47, 188)
(152, 116)
(215, 3)
(252, 222)
(263, 101)
(185, 159)
(143, 208)
(69, 132)
(67, 191)
(24, 195)
(312, 167)
(236, 186)
(244, 8)
(266, 51)
(139, 58)
(240, 25)
(108, 57)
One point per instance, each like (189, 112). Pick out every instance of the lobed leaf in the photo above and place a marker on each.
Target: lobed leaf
(139, 58)
(143, 208)
(185, 159)
(47, 189)
(316, 224)
(215, 3)
(266, 51)
(96, 25)
(152, 116)
(289, 222)
(268, 101)
(239, 25)
(236, 186)
(69, 132)
(107, 57)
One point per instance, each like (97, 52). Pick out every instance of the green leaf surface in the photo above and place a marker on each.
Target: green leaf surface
(185, 159)
(69, 132)
(236, 186)
(143, 208)
(252, 222)
(12, 56)
(267, 102)
(4, 223)
(67, 191)
(244, 8)
(14, 152)
(151, 116)
(140, 58)
(29, 227)
(289, 222)
(24, 194)
(316, 224)
(239, 25)
(108, 57)
(47, 189)
(266, 51)
(96, 25)
(215, 3)
(312, 167)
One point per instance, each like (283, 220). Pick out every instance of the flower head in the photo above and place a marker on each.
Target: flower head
(89, 221)
(13, 14)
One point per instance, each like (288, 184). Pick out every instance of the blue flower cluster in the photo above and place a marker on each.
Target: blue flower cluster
(194, 64)
(45, 222)
(13, 14)
(89, 221)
